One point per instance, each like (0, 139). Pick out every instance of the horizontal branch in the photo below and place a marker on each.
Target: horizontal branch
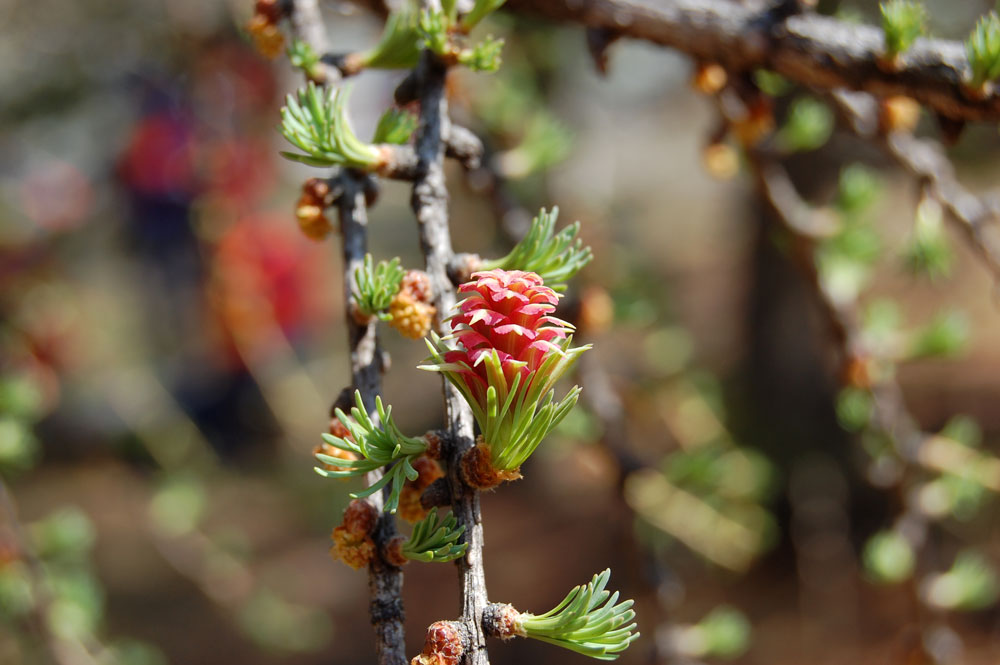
(400, 161)
(820, 52)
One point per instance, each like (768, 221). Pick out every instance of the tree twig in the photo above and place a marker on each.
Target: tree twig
(820, 52)
(307, 25)
(385, 581)
(430, 206)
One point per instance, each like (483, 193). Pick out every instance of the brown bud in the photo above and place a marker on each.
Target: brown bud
(709, 78)
(270, 9)
(433, 440)
(316, 190)
(393, 553)
(360, 517)
(442, 645)
(267, 39)
(502, 620)
(478, 471)
(312, 222)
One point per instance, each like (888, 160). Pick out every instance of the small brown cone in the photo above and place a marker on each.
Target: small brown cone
(442, 645)
(312, 222)
(359, 518)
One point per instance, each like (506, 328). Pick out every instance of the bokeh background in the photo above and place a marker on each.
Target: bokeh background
(170, 345)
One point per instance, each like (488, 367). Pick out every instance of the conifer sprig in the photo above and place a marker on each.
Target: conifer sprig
(316, 123)
(983, 50)
(377, 285)
(555, 257)
(376, 447)
(399, 46)
(434, 539)
(902, 22)
(589, 621)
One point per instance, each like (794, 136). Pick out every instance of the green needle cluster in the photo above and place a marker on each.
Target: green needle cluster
(316, 124)
(484, 56)
(377, 447)
(479, 11)
(902, 22)
(435, 540)
(442, 31)
(377, 285)
(589, 621)
(556, 257)
(399, 46)
(983, 49)
(396, 126)
(302, 56)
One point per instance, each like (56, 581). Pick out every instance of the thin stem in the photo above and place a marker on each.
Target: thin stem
(385, 581)
(430, 205)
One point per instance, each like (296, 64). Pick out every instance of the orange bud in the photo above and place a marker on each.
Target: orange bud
(267, 39)
(478, 470)
(898, 114)
(709, 78)
(355, 552)
(721, 161)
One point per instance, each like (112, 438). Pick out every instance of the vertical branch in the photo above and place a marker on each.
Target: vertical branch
(60, 651)
(430, 205)
(385, 581)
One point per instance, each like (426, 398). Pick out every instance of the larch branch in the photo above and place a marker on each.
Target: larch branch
(385, 581)
(430, 206)
(820, 52)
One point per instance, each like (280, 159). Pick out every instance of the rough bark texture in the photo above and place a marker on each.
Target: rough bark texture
(430, 205)
(385, 581)
(817, 51)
